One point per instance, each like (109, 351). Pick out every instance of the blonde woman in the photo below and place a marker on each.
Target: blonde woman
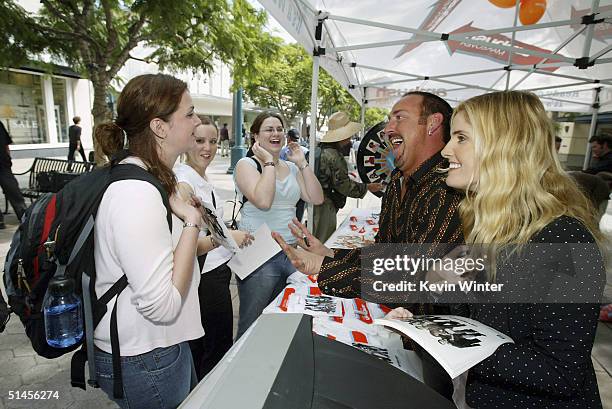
(214, 293)
(502, 156)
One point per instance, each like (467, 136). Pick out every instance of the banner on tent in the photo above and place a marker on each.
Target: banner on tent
(553, 100)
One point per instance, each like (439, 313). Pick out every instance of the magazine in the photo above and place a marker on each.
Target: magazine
(216, 227)
(310, 302)
(386, 346)
(457, 343)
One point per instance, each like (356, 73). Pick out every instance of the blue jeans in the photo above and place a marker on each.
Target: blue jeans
(260, 288)
(159, 379)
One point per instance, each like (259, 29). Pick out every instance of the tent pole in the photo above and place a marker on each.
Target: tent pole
(363, 104)
(312, 143)
(586, 50)
(595, 106)
(516, 13)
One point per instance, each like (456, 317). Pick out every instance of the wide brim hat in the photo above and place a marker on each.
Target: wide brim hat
(340, 128)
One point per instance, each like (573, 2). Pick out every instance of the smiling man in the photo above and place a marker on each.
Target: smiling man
(418, 207)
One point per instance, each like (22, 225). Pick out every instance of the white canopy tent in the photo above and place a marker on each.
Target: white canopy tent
(380, 49)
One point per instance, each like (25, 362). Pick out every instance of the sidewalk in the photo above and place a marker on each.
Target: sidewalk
(22, 370)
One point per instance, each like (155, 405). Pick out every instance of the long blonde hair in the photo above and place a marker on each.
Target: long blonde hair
(521, 185)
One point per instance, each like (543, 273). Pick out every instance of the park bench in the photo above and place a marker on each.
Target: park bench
(50, 175)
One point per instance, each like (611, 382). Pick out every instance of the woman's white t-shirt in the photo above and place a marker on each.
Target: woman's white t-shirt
(204, 190)
(132, 237)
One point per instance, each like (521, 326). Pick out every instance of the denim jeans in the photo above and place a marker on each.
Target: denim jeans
(159, 379)
(260, 288)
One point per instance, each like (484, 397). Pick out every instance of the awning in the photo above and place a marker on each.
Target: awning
(458, 48)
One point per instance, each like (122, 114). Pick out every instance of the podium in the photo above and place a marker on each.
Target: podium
(280, 363)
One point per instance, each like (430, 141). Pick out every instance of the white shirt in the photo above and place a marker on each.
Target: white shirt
(204, 190)
(131, 236)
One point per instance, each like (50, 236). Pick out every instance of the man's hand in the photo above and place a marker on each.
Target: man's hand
(400, 313)
(304, 261)
(375, 187)
(307, 241)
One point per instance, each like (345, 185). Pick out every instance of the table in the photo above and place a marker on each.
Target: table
(357, 230)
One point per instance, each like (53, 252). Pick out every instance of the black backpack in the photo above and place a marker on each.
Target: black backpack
(234, 224)
(55, 238)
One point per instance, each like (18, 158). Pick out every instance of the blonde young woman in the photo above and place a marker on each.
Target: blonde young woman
(214, 293)
(502, 156)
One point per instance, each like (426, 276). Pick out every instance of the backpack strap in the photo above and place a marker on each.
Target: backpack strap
(245, 199)
(91, 317)
(95, 310)
(128, 171)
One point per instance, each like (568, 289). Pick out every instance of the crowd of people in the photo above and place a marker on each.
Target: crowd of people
(485, 172)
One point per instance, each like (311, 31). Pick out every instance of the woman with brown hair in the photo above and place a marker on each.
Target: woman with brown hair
(272, 194)
(158, 311)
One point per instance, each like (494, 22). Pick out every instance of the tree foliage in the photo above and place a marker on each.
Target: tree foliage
(97, 37)
(285, 85)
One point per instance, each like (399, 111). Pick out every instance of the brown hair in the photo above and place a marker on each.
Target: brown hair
(144, 98)
(433, 104)
(206, 120)
(256, 126)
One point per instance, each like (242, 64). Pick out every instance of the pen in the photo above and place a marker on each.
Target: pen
(305, 238)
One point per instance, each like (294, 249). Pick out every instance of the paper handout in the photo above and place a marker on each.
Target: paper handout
(248, 259)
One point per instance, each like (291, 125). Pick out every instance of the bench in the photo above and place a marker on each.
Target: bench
(50, 175)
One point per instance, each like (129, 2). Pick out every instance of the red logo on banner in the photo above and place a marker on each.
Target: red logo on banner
(495, 53)
(438, 13)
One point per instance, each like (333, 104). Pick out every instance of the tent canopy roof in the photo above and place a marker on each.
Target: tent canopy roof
(457, 48)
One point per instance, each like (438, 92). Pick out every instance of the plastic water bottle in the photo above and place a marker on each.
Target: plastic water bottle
(63, 314)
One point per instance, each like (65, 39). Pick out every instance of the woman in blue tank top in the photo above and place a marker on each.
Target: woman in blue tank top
(272, 195)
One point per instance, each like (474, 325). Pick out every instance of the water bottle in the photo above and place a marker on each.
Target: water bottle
(63, 314)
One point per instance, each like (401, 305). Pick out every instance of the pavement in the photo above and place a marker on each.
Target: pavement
(21, 370)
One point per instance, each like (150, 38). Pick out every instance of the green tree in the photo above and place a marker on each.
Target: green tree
(96, 37)
(285, 85)
(374, 116)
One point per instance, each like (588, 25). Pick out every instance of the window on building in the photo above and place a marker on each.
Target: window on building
(59, 102)
(22, 107)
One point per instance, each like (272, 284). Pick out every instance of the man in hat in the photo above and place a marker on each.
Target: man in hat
(333, 174)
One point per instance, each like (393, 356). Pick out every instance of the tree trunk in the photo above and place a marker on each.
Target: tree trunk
(101, 114)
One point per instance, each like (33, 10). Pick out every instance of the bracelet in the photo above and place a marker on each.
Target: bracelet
(269, 164)
(188, 224)
(304, 166)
